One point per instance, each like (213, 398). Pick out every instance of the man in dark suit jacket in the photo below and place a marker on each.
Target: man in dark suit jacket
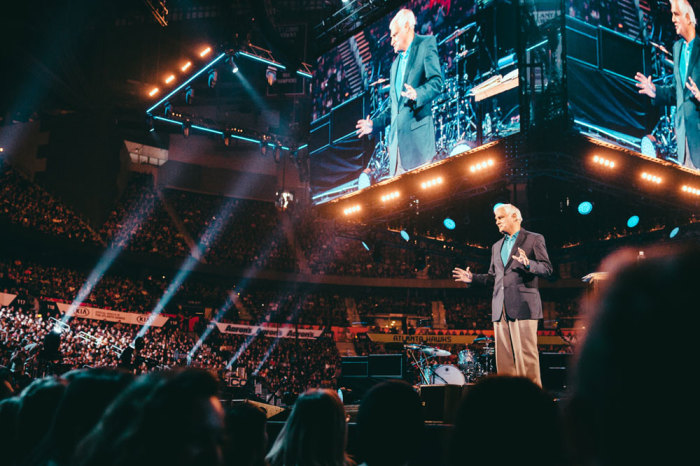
(415, 80)
(684, 93)
(516, 306)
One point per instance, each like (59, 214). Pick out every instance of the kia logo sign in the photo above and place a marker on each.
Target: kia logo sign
(81, 311)
(142, 319)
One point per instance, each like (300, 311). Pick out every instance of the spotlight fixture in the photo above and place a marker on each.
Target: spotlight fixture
(149, 123)
(690, 190)
(390, 196)
(271, 75)
(449, 223)
(352, 210)
(674, 232)
(170, 79)
(405, 235)
(652, 178)
(484, 164)
(633, 221)
(284, 200)
(167, 109)
(153, 92)
(189, 95)
(585, 208)
(431, 183)
(186, 66)
(205, 52)
(213, 75)
(603, 161)
(234, 66)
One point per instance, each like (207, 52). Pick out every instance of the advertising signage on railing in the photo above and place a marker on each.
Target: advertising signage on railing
(269, 331)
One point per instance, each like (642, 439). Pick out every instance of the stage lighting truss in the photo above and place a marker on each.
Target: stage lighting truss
(210, 72)
(432, 183)
(390, 196)
(159, 10)
(603, 162)
(694, 190)
(352, 210)
(651, 178)
(481, 166)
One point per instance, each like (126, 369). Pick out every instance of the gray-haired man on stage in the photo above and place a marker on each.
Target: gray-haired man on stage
(517, 260)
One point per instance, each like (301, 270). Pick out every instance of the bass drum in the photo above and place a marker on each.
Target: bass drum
(446, 374)
(461, 146)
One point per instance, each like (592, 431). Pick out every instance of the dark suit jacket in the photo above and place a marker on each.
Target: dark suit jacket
(413, 120)
(514, 285)
(687, 108)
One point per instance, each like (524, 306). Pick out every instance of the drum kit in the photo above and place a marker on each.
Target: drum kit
(475, 362)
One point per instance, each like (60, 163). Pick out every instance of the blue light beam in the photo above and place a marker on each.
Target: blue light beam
(119, 243)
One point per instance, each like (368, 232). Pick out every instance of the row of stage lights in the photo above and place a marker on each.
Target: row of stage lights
(425, 185)
(644, 175)
(690, 190)
(268, 144)
(171, 77)
(586, 207)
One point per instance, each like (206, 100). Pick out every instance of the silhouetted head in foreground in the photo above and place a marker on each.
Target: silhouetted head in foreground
(631, 399)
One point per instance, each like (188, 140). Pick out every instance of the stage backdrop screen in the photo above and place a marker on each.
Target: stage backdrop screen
(607, 44)
(478, 103)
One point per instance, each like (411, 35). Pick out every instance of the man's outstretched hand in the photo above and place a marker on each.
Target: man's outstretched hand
(462, 275)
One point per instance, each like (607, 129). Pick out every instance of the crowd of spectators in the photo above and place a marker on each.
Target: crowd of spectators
(610, 414)
(467, 312)
(329, 85)
(123, 293)
(370, 305)
(232, 232)
(286, 365)
(114, 292)
(331, 250)
(140, 223)
(256, 304)
(238, 232)
(27, 205)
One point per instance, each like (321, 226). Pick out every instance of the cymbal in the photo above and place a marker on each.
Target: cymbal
(413, 347)
(435, 351)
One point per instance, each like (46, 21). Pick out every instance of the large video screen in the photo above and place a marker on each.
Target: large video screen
(463, 76)
(614, 51)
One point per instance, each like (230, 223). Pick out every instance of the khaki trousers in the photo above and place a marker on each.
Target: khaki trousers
(516, 348)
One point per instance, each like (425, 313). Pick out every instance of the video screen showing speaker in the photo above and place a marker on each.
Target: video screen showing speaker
(446, 86)
(628, 82)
